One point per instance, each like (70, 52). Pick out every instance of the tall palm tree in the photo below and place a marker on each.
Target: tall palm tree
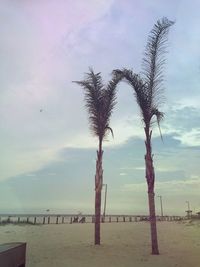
(100, 100)
(149, 95)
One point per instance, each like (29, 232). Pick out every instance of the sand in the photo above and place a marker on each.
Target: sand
(123, 244)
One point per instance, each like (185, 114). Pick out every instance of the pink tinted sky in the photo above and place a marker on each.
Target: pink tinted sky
(47, 44)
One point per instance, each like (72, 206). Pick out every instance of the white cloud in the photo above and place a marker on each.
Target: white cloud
(142, 168)
(51, 174)
(190, 138)
(31, 175)
(123, 174)
(172, 187)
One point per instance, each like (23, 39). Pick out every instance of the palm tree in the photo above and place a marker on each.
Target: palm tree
(100, 101)
(149, 95)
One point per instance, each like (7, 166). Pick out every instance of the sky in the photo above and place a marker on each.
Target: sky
(47, 159)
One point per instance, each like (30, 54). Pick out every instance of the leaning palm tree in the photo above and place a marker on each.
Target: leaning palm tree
(149, 95)
(100, 101)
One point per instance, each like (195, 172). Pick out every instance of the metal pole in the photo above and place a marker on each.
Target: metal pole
(161, 206)
(104, 210)
(188, 211)
(188, 205)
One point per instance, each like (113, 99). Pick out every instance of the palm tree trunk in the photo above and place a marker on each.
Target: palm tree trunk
(150, 177)
(98, 188)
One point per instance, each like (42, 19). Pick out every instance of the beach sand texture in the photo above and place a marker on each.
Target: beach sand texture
(123, 244)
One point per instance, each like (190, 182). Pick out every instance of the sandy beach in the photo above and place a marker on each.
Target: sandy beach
(123, 244)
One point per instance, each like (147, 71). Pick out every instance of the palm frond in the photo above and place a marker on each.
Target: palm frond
(133, 79)
(153, 61)
(93, 86)
(140, 90)
(110, 129)
(159, 117)
(148, 86)
(100, 101)
(110, 100)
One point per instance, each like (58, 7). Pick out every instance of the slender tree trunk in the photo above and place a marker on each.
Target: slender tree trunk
(150, 177)
(98, 188)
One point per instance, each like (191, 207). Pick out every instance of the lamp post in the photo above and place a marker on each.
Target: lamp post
(189, 211)
(161, 206)
(104, 209)
(188, 203)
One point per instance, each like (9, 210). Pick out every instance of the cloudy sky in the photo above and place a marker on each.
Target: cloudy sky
(47, 158)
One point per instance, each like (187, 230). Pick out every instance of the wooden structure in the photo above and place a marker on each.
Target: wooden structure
(189, 214)
(13, 254)
(74, 218)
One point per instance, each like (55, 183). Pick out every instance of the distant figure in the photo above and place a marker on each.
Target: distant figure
(75, 220)
(144, 219)
(82, 220)
(41, 110)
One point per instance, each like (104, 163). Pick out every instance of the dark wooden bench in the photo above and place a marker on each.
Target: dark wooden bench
(13, 254)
